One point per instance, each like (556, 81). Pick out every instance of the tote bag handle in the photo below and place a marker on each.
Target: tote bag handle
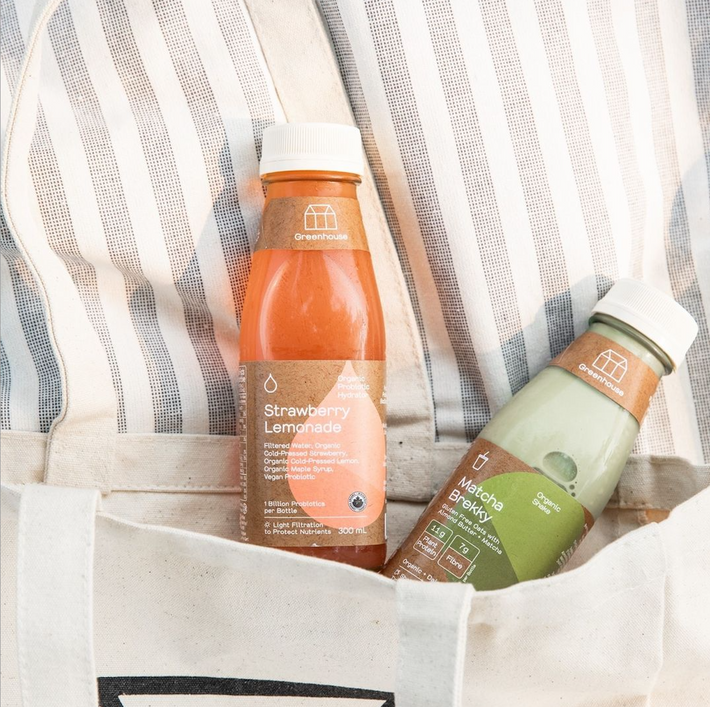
(55, 623)
(433, 625)
(55, 634)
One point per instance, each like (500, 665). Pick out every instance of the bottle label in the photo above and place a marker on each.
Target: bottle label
(313, 456)
(312, 223)
(497, 521)
(612, 370)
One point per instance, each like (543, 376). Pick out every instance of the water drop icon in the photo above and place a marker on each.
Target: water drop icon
(270, 384)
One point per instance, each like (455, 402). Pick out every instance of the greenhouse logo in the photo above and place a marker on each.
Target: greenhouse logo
(611, 364)
(319, 217)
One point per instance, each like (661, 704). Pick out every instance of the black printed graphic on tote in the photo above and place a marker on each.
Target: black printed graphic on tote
(112, 689)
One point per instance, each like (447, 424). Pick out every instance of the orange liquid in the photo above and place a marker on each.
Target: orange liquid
(315, 305)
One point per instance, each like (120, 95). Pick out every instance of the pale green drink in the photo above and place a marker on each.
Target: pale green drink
(543, 469)
(570, 432)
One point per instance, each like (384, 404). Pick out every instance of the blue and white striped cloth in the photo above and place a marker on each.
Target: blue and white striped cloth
(525, 156)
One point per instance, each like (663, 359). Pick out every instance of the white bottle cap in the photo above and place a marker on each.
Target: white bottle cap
(328, 147)
(652, 313)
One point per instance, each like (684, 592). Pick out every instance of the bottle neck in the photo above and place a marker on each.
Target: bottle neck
(310, 183)
(633, 340)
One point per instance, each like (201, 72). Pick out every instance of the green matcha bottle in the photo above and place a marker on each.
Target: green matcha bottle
(543, 469)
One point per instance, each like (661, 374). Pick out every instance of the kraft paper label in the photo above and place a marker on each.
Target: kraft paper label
(313, 454)
(612, 370)
(312, 223)
(496, 522)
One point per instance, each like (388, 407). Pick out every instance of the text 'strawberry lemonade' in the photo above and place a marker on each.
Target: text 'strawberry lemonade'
(312, 349)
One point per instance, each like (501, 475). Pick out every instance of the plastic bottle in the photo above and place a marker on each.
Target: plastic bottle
(312, 351)
(544, 468)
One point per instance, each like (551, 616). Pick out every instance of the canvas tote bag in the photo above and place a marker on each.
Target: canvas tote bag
(130, 202)
(131, 614)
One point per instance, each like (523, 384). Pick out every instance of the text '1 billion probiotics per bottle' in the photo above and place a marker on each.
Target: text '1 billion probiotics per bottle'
(312, 352)
(544, 467)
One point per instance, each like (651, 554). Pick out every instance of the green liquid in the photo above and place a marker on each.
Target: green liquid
(496, 522)
(570, 432)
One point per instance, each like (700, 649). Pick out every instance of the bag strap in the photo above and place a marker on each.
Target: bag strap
(433, 622)
(81, 443)
(55, 627)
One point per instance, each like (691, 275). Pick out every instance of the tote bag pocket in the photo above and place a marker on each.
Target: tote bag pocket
(179, 613)
(161, 614)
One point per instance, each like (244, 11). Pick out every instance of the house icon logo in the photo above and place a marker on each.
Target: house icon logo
(319, 217)
(611, 364)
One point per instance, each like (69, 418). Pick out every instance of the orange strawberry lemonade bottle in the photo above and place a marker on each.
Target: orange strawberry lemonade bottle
(312, 349)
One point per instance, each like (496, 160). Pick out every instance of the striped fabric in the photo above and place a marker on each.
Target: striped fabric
(144, 163)
(526, 155)
(31, 385)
